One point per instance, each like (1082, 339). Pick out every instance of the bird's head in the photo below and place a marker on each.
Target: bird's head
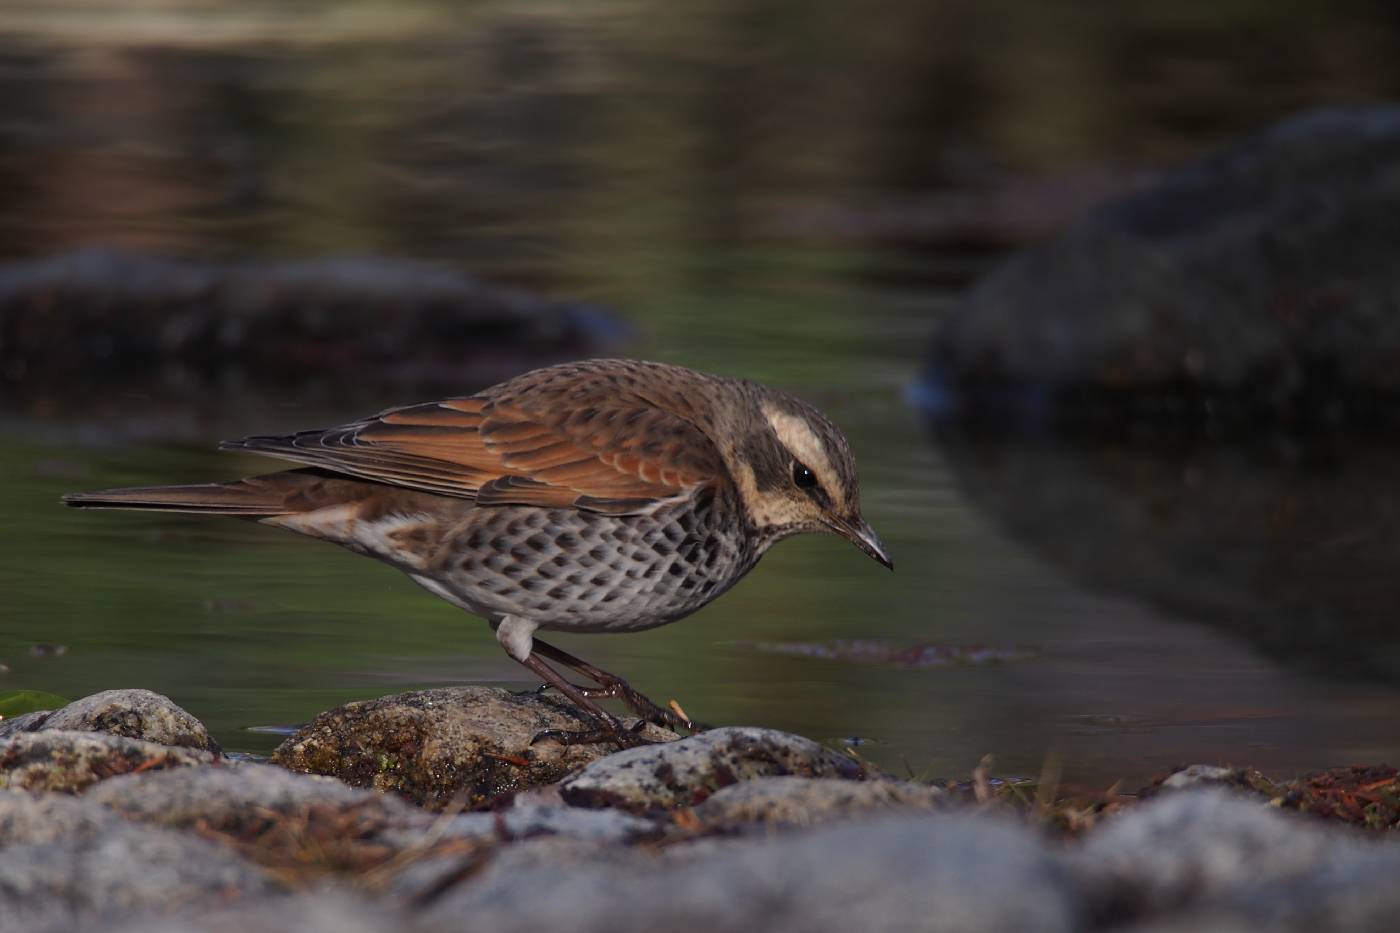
(796, 473)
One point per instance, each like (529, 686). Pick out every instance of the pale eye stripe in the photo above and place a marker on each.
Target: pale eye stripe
(799, 438)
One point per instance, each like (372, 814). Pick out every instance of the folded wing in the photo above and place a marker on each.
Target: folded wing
(585, 446)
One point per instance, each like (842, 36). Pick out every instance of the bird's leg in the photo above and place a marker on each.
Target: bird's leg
(614, 687)
(609, 728)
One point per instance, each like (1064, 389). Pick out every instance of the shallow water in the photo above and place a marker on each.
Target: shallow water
(609, 155)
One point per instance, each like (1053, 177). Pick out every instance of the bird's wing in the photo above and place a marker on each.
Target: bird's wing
(600, 449)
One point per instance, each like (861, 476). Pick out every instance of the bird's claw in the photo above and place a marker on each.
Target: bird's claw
(630, 737)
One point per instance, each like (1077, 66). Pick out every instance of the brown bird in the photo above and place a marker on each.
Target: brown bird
(601, 496)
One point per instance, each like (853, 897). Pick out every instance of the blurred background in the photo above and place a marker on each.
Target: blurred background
(225, 218)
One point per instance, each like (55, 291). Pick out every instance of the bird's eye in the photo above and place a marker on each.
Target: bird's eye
(802, 477)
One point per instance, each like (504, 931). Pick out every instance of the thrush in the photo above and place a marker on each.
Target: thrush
(599, 496)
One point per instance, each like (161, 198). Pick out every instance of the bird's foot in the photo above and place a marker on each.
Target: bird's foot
(612, 732)
(639, 703)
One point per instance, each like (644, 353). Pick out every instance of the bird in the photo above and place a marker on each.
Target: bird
(605, 495)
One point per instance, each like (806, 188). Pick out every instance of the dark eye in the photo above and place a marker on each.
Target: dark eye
(802, 477)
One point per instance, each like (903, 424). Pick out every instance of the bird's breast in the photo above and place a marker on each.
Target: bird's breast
(582, 571)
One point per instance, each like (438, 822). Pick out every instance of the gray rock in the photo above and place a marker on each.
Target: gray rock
(686, 772)
(227, 794)
(25, 722)
(917, 873)
(1201, 845)
(224, 797)
(333, 910)
(136, 714)
(89, 880)
(1254, 284)
(434, 746)
(310, 826)
(1193, 775)
(1214, 775)
(69, 762)
(27, 818)
(800, 801)
(1355, 893)
(595, 826)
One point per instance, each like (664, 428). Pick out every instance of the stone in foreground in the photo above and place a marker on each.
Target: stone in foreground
(70, 762)
(684, 773)
(1199, 846)
(434, 746)
(800, 801)
(87, 880)
(920, 873)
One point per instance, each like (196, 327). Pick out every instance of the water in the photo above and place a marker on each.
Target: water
(697, 172)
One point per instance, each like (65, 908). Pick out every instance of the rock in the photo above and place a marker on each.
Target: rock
(25, 722)
(307, 828)
(1253, 286)
(800, 801)
(1195, 846)
(1352, 894)
(220, 796)
(69, 762)
(136, 714)
(76, 326)
(1206, 775)
(686, 772)
(331, 911)
(89, 879)
(912, 873)
(434, 745)
(1194, 775)
(27, 818)
(302, 827)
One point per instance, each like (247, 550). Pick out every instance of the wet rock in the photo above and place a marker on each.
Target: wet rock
(73, 323)
(798, 801)
(69, 762)
(1198, 846)
(686, 772)
(87, 879)
(136, 714)
(433, 746)
(914, 873)
(1254, 286)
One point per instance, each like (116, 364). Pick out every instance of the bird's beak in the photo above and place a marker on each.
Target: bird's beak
(859, 533)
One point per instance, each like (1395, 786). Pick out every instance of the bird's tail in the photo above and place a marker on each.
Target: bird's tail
(257, 496)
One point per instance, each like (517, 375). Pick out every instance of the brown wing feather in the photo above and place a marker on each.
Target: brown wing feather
(562, 438)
